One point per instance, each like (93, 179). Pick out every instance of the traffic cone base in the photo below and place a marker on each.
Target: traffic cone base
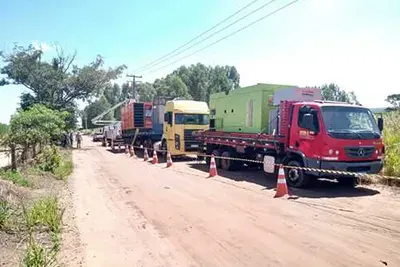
(169, 160)
(213, 167)
(281, 186)
(155, 159)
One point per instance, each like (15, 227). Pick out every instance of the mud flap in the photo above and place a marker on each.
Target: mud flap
(269, 164)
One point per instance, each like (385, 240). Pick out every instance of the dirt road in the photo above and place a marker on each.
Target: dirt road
(132, 213)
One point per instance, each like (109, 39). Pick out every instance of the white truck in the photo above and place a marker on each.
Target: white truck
(112, 135)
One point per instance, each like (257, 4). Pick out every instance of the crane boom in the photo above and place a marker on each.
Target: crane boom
(97, 120)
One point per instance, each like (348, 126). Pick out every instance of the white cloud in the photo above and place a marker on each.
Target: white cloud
(42, 46)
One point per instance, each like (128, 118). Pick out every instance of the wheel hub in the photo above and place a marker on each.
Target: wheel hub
(293, 175)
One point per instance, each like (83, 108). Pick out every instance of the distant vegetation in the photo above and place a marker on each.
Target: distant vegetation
(392, 143)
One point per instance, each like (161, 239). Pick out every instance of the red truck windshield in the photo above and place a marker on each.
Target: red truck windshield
(350, 122)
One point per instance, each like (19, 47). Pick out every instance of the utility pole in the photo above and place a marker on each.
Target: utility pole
(134, 92)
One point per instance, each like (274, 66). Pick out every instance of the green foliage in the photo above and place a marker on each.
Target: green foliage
(49, 159)
(3, 130)
(38, 256)
(16, 177)
(202, 81)
(391, 135)
(94, 109)
(58, 83)
(332, 92)
(4, 214)
(36, 125)
(64, 169)
(394, 100)
(196, 82)
(45, 212)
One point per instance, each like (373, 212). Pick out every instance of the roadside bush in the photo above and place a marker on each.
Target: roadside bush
(392, 143)
(49, 159)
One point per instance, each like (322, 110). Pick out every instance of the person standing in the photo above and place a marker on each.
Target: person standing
(78, 139)
(71, 138)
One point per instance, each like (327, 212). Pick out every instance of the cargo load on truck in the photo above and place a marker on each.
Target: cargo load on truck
(254, 109)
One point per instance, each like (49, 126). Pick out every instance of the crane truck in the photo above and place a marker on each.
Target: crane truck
(294, 127)
(164, 125)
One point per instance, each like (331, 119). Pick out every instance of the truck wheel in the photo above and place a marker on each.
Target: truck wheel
(348, 181)
(217, 160)
(228, 164)
(296, 177)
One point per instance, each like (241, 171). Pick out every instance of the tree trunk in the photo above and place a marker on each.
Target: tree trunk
(13, 158)
(34, 150)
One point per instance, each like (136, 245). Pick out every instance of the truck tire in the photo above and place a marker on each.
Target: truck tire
(295, 177)
(348, 181)
(217, 160)
(228, 164)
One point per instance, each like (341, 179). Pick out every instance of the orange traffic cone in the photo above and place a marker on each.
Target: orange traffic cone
(213, 167)
(145, 155)
(155, 159)
(281, 186)
(169, 159)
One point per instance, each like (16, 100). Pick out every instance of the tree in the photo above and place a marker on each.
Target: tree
(94, 109)
(56, 84)
(202, 81)
(36, 125)
(332, 92)
(146, 92)
(394, 100)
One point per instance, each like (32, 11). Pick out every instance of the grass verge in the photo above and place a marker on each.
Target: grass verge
(44, 216)
(30, 213)
(15, 177)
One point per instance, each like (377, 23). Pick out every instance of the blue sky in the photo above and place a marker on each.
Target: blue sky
(354, 43)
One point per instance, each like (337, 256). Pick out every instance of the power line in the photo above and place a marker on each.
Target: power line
(211, 35)
(198, 36)
(227, 36)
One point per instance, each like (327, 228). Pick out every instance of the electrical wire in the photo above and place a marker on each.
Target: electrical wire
(171, 54)
(227, 36)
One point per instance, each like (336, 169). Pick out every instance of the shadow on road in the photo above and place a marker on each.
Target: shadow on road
(317, 189)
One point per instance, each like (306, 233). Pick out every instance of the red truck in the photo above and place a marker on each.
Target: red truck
(314, 134)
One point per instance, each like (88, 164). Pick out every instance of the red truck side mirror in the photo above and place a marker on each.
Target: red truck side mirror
(380, 124)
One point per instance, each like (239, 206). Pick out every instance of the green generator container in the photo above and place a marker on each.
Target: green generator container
(246, 109)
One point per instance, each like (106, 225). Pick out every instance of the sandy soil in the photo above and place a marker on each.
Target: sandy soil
(132, 213)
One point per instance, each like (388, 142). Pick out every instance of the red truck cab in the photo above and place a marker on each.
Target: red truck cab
(331, 136)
